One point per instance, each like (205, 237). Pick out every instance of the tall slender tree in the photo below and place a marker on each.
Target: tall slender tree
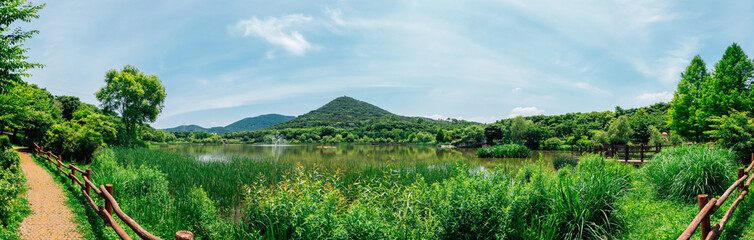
(682, 115)
(13, 64)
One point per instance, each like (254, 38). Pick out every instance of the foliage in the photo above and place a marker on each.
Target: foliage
(136, 96)
(655, 137)
(600, 138)
(683, 116)
(4, 143)
(13, 206)
(552, 143)
(82, 136)
(28, 112)
(730, 86)
(561, 160)
(13, 64)
(683, 172)
(620, 131)
(734, 132)
(505, 150)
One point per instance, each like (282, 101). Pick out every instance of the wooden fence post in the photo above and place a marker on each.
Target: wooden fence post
(87, 176)
(641, 152)
(184, 235)
(73, 173)
(626, 146)
(108, 204)
(740, 174)
(705, 221)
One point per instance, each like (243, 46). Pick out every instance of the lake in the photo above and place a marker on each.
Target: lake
(312, 153)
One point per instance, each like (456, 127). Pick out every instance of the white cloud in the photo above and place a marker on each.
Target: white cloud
(664, 96)
(336, 15)
(516, 90)
(668, 68)
(276, 31)
(525, 111)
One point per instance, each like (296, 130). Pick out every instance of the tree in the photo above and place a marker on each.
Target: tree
(13, 63)
(519, 127)
(137, 97)
(683, 116)
(620, 131)
(729, 87)
(734, 131)
(68, 104)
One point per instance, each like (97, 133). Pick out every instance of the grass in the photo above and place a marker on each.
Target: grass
(505, 150)
(683, 172)
(281, 199)
(13, 204)
(561, 160)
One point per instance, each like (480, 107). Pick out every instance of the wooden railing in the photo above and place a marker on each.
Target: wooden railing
(104, 191)
(707, 207)
(625, 153)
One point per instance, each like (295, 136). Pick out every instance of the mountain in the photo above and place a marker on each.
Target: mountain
(340, 112)
(246, 124)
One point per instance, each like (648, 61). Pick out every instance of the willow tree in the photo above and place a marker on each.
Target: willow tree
(685, 115)
(136, 96)
(13, 64)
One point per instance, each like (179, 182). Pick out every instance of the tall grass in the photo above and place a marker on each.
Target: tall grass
(505, 150)
(166, 191)
(13, 204)
(683, 172)
(224, 180)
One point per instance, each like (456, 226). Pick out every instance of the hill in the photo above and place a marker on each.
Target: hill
(341, 112)
(246, 124)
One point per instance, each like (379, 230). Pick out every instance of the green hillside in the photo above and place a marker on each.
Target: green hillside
(341, 112)
(246, 124)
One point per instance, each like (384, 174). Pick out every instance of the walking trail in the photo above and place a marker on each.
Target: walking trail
(50, 217)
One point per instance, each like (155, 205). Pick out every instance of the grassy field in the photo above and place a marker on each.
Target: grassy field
(265, 199)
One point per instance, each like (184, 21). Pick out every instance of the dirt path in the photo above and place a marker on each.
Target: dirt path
(50, 217)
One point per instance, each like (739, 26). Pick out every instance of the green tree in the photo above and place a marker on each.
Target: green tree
(519, 127)
(684, 114)
(734, 131)
(13, 64)
(729, 86)
(136, 96)
(68, 105)
(620, 131)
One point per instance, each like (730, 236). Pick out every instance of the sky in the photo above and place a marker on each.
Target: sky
(221, 61)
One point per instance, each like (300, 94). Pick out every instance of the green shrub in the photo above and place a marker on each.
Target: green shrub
(684, 172)
(506, 150)
(13, 207)
(4, 143)
(552, 143)
(562, 159)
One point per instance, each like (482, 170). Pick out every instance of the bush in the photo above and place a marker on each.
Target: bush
(4, 143)
(683, 172)
(562, 159)
(13, 207)
(506, 150)
(552, 143)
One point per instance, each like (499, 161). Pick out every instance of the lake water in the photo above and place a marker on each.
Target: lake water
(352, 152)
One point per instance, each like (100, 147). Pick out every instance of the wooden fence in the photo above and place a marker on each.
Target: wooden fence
(626, 153)
(104, 191)
(707, 207)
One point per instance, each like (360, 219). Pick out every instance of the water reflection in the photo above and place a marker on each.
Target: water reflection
(352, 153)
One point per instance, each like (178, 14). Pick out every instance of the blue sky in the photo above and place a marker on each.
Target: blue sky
(221, 61)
